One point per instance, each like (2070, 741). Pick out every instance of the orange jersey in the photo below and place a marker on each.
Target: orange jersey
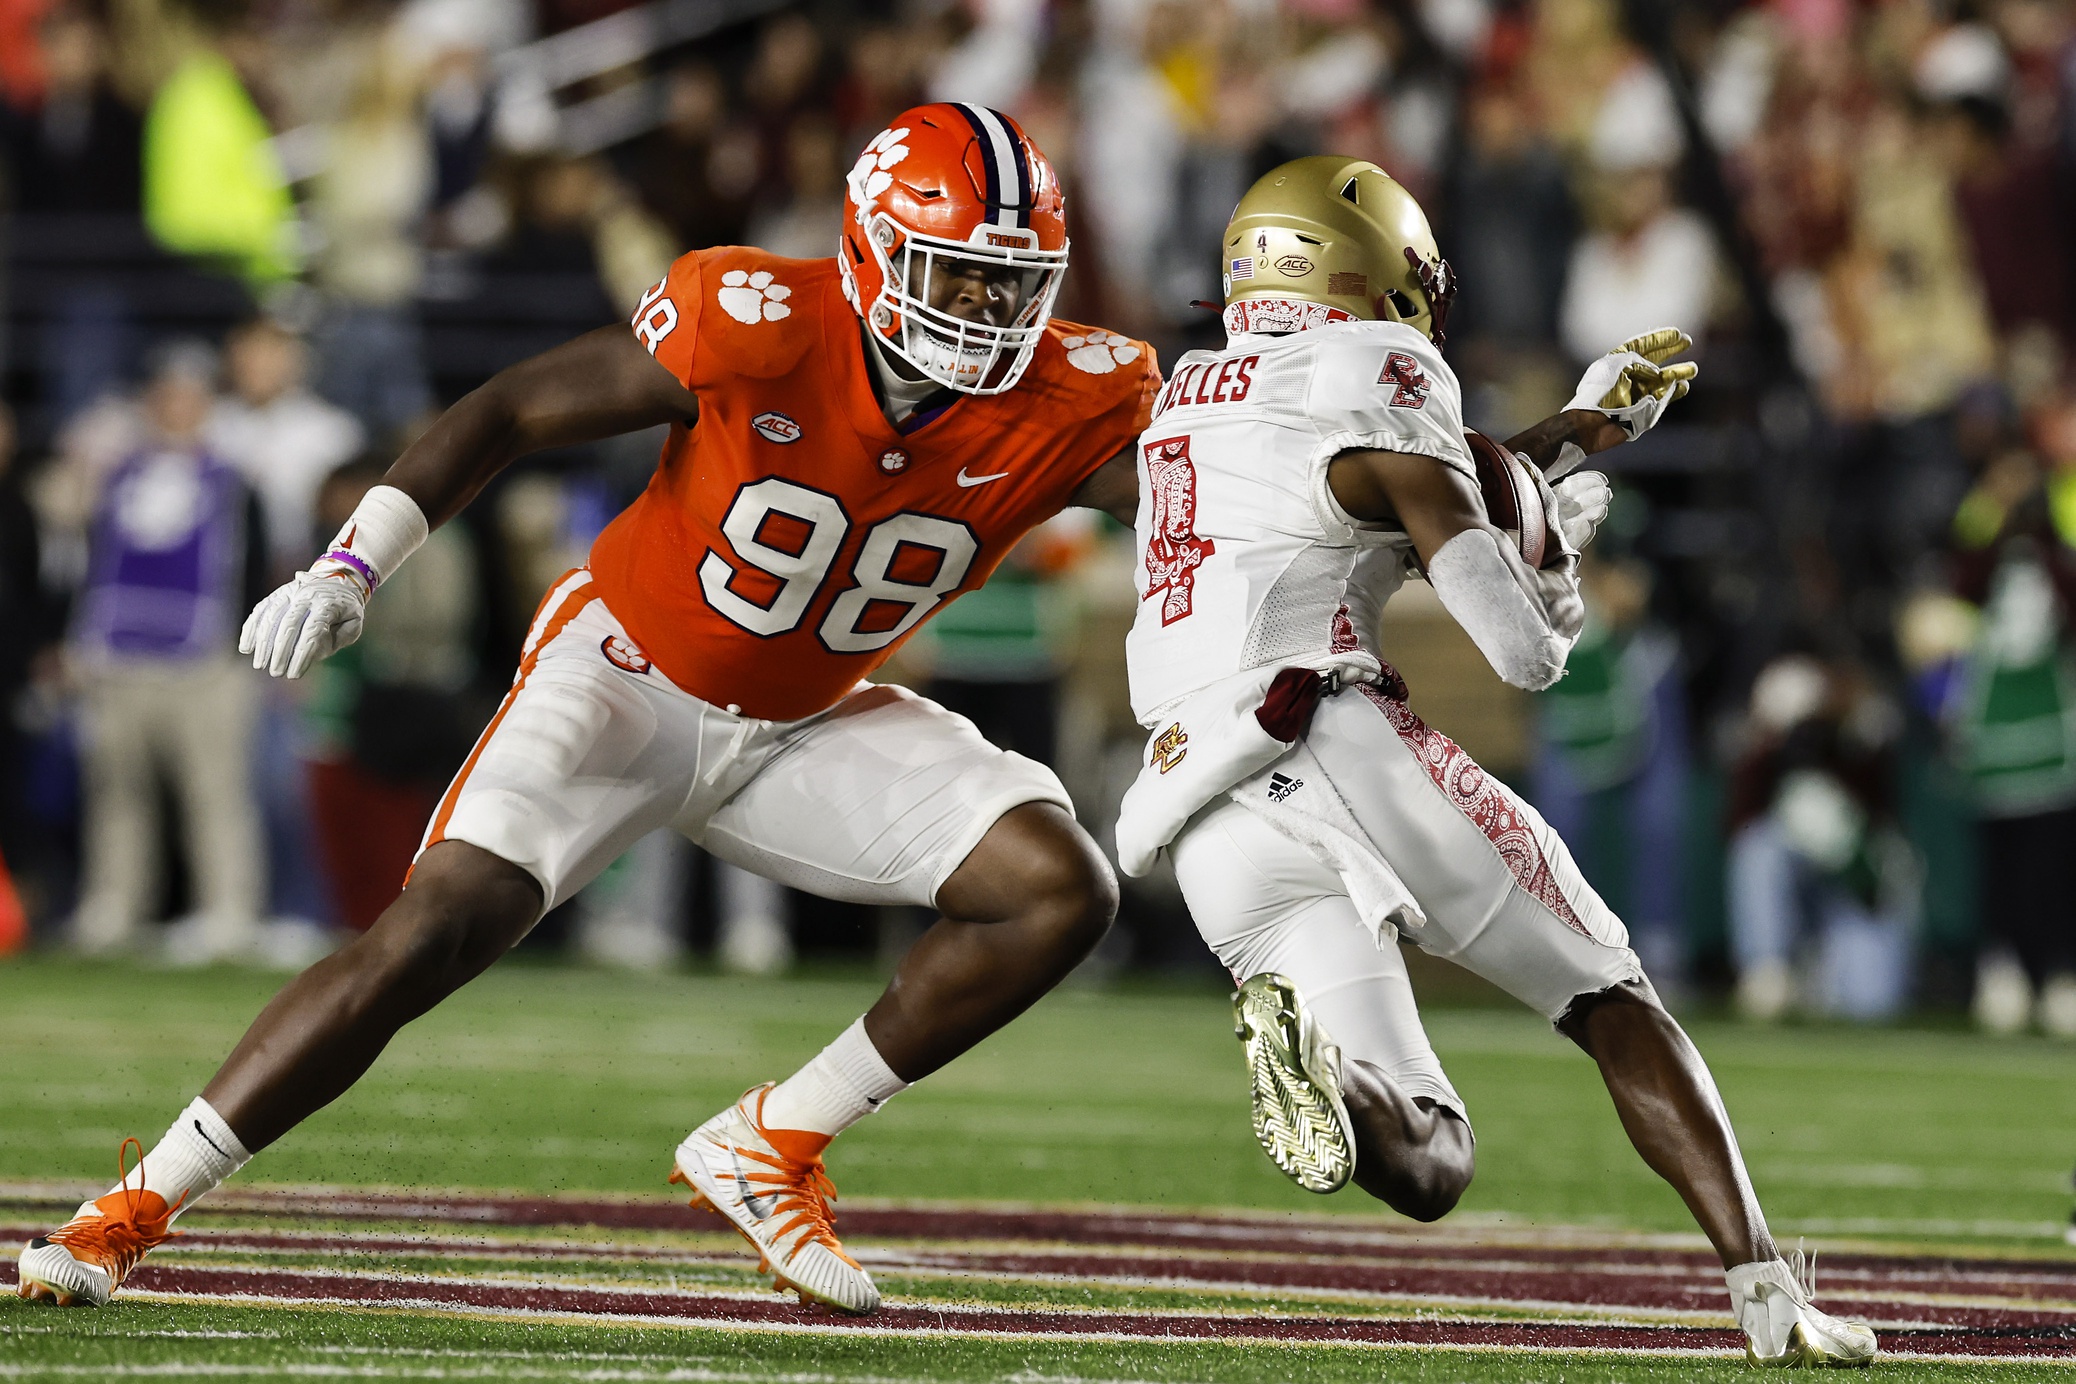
(792, 538)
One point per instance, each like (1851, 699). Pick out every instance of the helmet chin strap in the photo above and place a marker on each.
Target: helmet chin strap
(934, 355)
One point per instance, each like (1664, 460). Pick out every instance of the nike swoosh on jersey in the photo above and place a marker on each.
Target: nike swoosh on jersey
(966, 482)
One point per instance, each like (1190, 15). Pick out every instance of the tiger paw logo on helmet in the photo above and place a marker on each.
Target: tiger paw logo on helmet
(1099, 353)
(869, 176)
(754, 297)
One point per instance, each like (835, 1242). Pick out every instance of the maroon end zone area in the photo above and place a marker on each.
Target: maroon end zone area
(1944, 1305)
(1586, 1279)
(693, 1309)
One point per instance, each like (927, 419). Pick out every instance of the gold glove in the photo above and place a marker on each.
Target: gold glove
(1632, 385)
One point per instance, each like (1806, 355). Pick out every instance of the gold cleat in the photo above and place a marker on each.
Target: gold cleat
(1294, 1069)
(1774, 1302)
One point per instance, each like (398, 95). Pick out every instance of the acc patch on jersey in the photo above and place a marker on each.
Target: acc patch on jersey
(776, 427)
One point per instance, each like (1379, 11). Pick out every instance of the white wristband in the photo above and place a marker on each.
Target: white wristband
(386, 528)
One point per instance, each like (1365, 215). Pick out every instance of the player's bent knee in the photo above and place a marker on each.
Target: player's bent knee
(1632, 1002)
(1076, 890)
(1426, 1183)
(1038, 868)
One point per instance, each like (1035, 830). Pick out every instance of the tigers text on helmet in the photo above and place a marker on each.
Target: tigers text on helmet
(1330, 239)
(953, 193)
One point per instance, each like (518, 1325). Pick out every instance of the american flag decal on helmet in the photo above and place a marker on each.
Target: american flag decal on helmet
(1243, 268)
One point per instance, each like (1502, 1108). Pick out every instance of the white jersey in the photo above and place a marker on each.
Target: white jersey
(1245, 558)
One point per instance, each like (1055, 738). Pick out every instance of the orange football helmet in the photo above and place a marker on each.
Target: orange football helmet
(944, 188)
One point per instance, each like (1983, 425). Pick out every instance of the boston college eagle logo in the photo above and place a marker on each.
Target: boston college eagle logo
(1175, 552)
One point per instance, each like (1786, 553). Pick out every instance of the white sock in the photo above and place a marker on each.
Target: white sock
(198, 1152)
(847, 1081)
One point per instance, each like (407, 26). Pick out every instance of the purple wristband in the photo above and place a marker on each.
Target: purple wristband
(367, 572)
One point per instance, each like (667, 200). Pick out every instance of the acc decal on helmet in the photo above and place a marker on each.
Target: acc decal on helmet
(1332, 239)
(945, 187)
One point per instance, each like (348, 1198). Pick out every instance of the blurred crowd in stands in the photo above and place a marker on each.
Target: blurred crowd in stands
(1818, 744)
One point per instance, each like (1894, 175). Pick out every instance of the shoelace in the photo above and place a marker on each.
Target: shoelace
(117, 1242)
(801, 1189)
(1802, 1268)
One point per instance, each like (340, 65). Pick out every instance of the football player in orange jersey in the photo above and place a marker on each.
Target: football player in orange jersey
(853, 442)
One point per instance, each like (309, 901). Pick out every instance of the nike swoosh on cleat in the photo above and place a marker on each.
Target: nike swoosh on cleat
(966, 482)
(742, 1187)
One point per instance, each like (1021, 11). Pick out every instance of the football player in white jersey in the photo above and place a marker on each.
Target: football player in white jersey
(1289, 484)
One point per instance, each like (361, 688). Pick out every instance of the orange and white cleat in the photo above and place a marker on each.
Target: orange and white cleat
(83, 1262)
(770, 1185)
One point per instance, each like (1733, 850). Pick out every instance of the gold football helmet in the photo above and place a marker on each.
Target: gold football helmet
(1341, 233)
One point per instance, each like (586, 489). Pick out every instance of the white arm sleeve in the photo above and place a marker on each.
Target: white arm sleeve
(1523, 621)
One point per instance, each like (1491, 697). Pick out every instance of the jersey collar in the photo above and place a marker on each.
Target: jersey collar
(1259, 316)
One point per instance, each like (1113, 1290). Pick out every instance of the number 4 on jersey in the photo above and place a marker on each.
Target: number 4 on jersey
(1175, 551)
(789, 536)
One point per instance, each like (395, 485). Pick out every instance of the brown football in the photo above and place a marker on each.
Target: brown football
(1512, 501)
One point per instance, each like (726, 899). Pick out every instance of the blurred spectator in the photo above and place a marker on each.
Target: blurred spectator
(879, 81)
(1511, 225)
(995, 58)
(389, 715)
(781, 84)
(631, 247)
(1910, 313)
(176, 558)
(74, 169)
(284, 440)
(2015, 732)
(576, 220)
(1612, 777)
(2014, 209)
(27, 632)
(1649, 262)
(696, 171)
(281, 437)
(79, 148)
(367, 205)
(1820, 879)
(807, 225)
(213, 184)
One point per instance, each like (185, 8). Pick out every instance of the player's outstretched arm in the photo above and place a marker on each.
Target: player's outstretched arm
(1619, 399)
(599, 385)
(1522, 619)
(602, 383)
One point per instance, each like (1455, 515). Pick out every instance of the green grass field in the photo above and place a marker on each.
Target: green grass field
(566, 1081)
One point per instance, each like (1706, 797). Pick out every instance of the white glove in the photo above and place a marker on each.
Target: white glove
(1582, 503)
(312, 616)
(1632, 385)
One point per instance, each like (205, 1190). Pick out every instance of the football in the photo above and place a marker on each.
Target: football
(1512, 499)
